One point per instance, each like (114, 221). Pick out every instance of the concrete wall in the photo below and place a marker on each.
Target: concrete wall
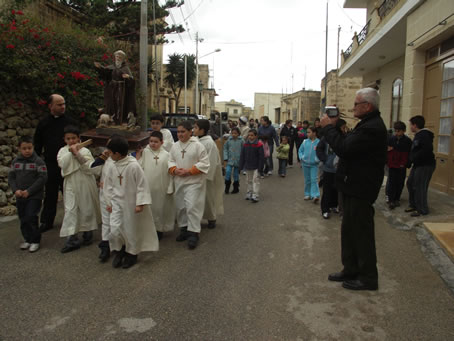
(387, 75)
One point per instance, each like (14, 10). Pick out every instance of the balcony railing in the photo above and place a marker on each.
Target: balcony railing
(386, 7)
(363, 34)
(348, 52)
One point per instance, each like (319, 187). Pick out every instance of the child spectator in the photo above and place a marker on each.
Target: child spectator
(214, 201)
(252, 159)
(282, 155)
(156, 123)
(128, 199)
(80, 192)
(422, 159)
(301, 135)
(310, 161)
(154, 162)
(232, 154)
(399, 146)
(330, 196)
(266, 153)
(27, 178)
(189, 164)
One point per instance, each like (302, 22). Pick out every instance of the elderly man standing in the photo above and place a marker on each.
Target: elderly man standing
(49, 136)
(359, 178)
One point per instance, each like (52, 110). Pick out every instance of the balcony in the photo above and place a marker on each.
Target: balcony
(381, 40)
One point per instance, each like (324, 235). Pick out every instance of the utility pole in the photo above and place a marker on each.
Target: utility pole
(155, 55)
(185, 83)
(326, 56)
(196, 73)
(337, 61)
(143, 63)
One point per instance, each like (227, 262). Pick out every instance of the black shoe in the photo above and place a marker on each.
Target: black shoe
(44, 228)
(410, 209)
(118, 259)
(211, 224)
(236, 187)
(227, 187)
(183, 234)
(129, 260)
(105, 251)
(69, 248)
(160, 234)
(356, 284)
(193, 240)
(340, 277)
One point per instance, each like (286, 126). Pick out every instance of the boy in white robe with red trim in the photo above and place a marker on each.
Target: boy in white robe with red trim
(154, 162)
(214, 200)
(189, 164)
(128, 199)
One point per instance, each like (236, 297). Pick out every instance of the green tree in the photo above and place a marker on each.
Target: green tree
(175, 73)
(121, 18)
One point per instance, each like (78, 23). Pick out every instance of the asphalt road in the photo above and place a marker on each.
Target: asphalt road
(260, 275)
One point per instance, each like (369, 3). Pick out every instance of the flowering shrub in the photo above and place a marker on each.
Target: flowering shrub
(40, 59)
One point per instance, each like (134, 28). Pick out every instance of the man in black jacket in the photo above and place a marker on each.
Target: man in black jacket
(359, 178)
(290, 131)
(49, 136)
(423, 160)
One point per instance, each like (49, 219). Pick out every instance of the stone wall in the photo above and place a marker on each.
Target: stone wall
(16, 120)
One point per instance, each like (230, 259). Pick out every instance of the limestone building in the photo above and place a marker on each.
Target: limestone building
(299, 106)
(265, 105)
(406, 49)
(232, 108)
(341, 92)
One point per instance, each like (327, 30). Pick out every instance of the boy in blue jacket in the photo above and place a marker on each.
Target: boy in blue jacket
(232, 154)
(252, 158)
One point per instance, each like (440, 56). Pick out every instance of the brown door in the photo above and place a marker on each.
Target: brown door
(438, 112)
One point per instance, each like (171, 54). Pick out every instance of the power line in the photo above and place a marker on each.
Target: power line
(345, 13)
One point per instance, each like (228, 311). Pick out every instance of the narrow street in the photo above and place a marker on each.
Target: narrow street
(260, 275)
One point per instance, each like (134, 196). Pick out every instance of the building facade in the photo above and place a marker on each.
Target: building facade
(232, 108)
(341, 92)
(265, 105)
(299, 106)
(406, 50)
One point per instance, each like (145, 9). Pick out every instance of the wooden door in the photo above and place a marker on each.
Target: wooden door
(438, 112)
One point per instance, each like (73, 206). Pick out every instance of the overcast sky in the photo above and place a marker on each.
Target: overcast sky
(264, 42)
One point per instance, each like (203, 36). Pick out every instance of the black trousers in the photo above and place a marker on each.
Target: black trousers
(28, 211)
(396, 182)
(418, 185)
(358, 239)
(298, 143)
(53, 185)
(329, 196)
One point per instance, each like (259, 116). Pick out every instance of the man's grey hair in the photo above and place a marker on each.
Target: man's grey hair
(370, 95)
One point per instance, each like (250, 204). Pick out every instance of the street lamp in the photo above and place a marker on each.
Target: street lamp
(197, 70)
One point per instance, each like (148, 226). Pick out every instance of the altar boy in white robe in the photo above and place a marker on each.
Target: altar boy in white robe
(157, 123)
(154, 161)
(189, 164)
(128, 199)
(80, 193)
(214, 201)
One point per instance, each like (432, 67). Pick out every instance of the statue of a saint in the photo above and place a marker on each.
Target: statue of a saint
(119, 91)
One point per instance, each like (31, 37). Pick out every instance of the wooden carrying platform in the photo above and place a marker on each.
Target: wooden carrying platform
(99, 140)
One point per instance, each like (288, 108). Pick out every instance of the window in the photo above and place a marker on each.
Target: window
(235, 111)
(447, 108)
(396, 100)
